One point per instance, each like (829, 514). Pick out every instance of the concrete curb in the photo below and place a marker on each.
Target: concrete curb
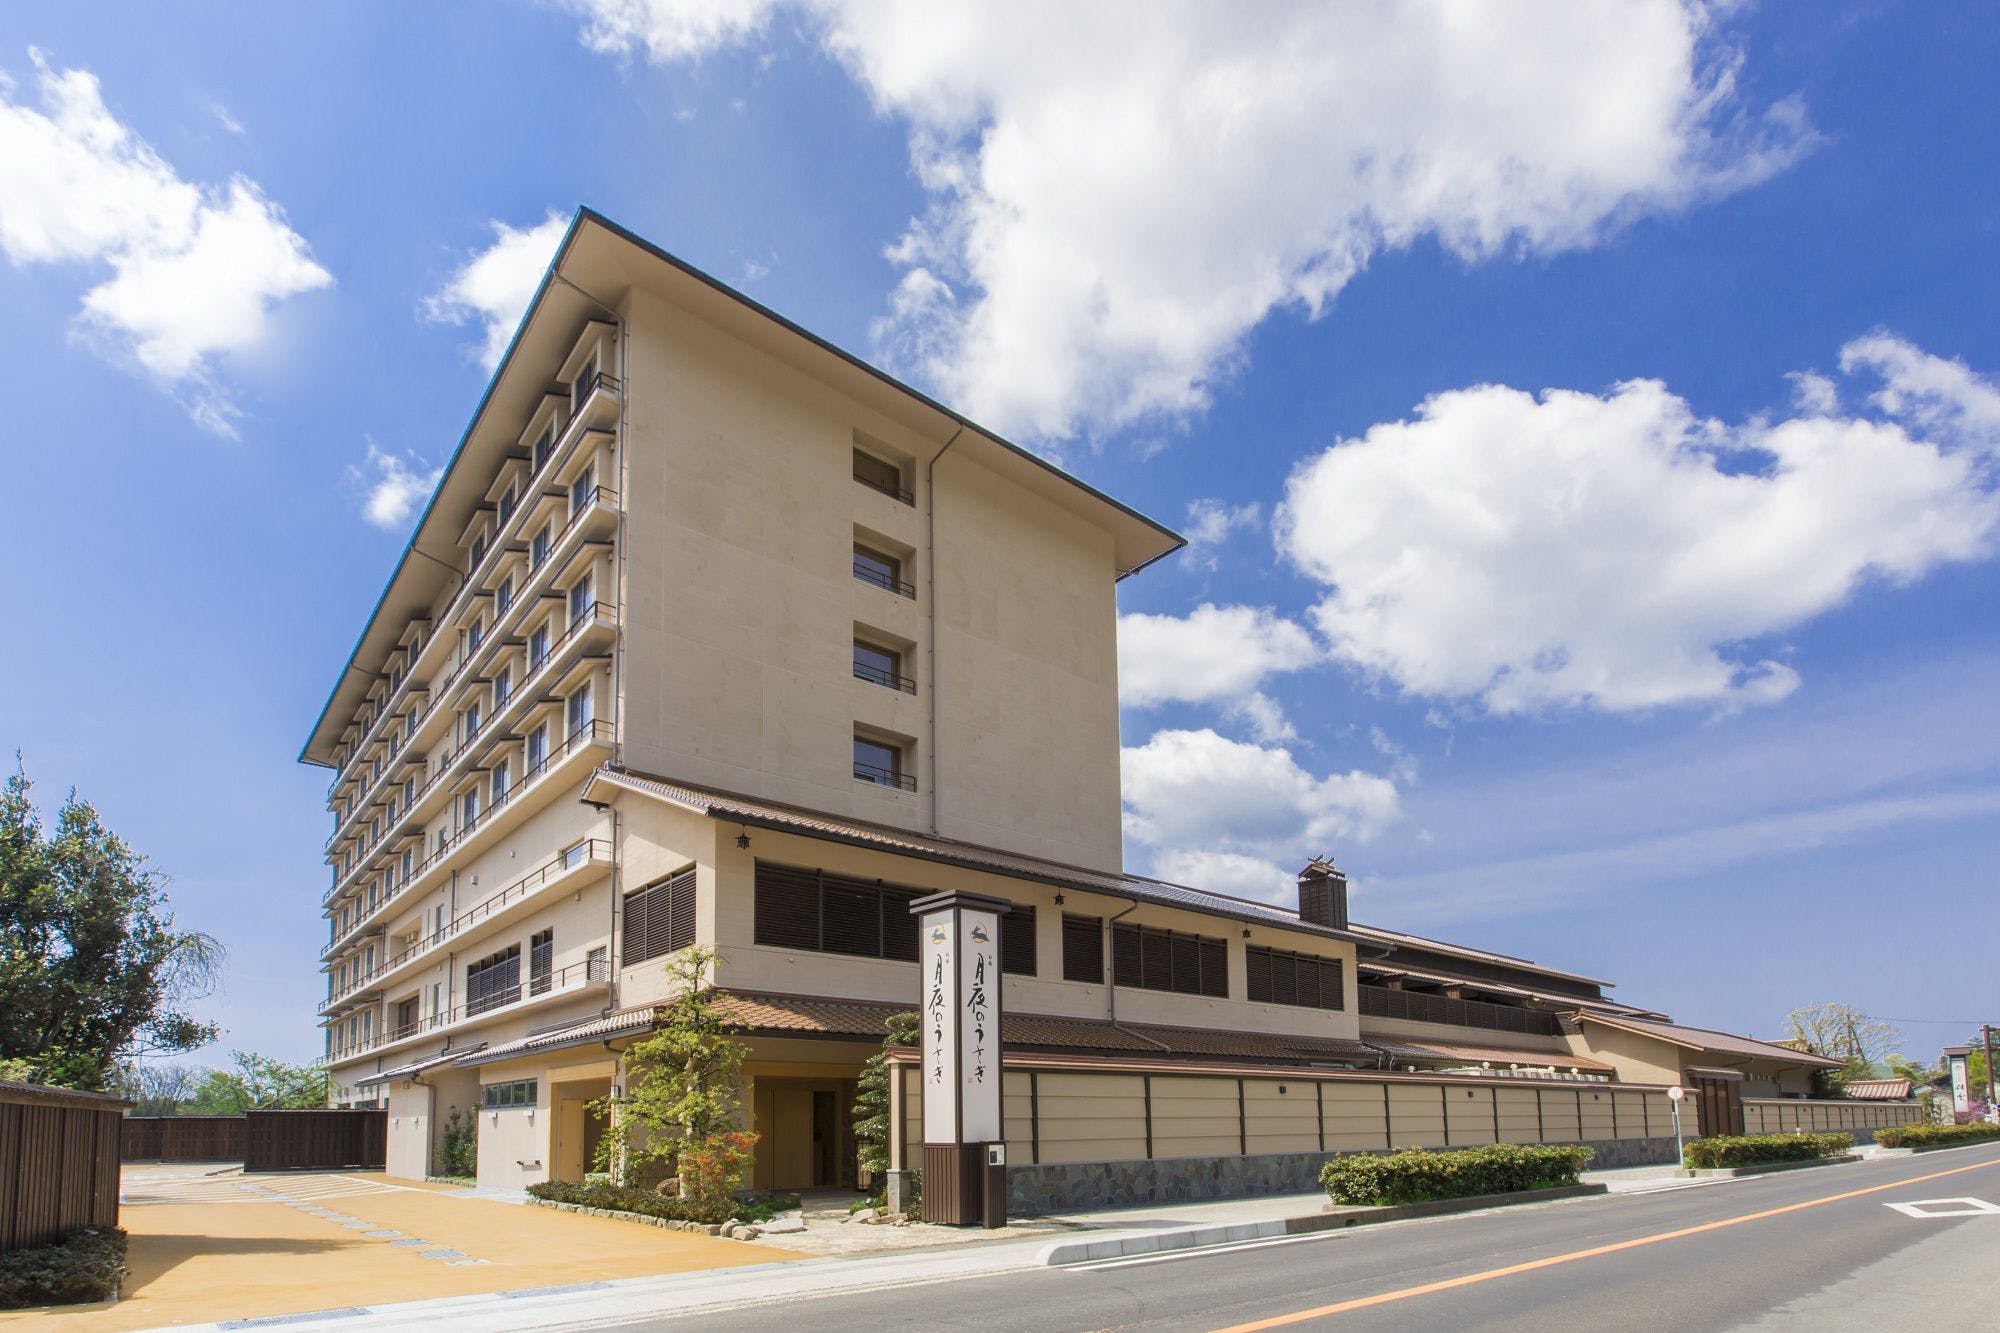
(1764, 1168)
(1936, 1147)
(1331, 1219)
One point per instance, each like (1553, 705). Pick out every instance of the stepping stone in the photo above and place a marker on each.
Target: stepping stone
(382, 1234)
(442, 1254)
(464, 1263)
(410, 1240)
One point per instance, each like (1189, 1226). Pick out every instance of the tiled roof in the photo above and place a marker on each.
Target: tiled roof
(1437, 1051)
(617, 1023)
(1712, 1042)
(767, 814)
(808, 1013)
(1396, 938)
(418, 1065)
(1879, 1090)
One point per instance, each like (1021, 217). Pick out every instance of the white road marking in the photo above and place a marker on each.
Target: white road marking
(1195, 1252)
(1962, 1207)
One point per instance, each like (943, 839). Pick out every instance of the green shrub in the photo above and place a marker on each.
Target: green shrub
(458, 1146)
(86, 1267)
(602, 1193)
(1729, 1150)
(1928, 1136)
(1414, 1174)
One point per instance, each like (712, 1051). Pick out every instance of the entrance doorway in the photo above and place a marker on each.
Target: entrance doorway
(579, 1127)
(805, 1129)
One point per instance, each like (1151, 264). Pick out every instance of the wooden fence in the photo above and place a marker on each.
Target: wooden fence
(58, 1163)
(183, 1138)
(1782, 1115)
(315, 1140)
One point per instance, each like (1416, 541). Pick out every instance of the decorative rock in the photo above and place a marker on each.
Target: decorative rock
(747, 1233)
(864, 1215)
(784, 1224)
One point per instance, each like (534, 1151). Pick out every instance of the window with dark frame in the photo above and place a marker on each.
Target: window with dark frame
(881, 764)
(1275, 976)
(817, 912)
(879, 474)
(504, 1096)
(881, 666)
(541, 961)
(881, 569)
(493, 981)
(1149, 958)
(659, 918)
(1083, 948)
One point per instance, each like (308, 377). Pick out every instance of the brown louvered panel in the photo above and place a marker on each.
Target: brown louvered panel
(1184, 973)
(787, 907)
(1214, 969)
(1257, 975)
(1017, 942)
(1156, 960)
(899, 928)
(1125, 962)
(851, 917)
(681, 909)
(1083, 949)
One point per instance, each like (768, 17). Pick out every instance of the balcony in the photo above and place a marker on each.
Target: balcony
(582, 749)
(876, 675)
(869, 573)
(878, 776)
(591, 975)
(606, 389)
(571, 870)
(1417, 1007)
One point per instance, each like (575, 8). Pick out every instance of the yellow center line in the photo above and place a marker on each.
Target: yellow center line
(1470, 1279)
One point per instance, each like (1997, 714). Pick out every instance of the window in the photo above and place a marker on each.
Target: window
(541, 961)
(504, 1096)
(468, 810)
(879, 474)
(493, 981)
(437, 919)
(544, 445)
(577, 712)
(585, 381)
(367, 1025)
(1017, 942)
(882, 666)
(1272, 976)
(503, 687)
(882, 570)
(409, 863)
(1147, 958)
(580, 489)
(538, 648)
(813, 910)
(474, 634)
(410, 724)
(471, 720)
(537, 752)
(538, 549)
(503, 596)
(406, 1017)
(437, 998)
(660, 917)
(881, 764)
(478, 551)
(499, 783)
(506, 506)
(580, 600)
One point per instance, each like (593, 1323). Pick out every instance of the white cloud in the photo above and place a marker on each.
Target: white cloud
(1212, 654)
(394, 487)
(1617, 551)
(1265, 718)
(1114, 205)
(195, 269)
(1226, 814)
(1210, 523)
(493, 288)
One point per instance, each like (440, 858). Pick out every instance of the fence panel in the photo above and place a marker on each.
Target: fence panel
(58, 1164)
(315, 1140)
(183, 1138)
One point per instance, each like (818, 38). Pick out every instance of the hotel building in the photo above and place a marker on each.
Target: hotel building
(713, 634)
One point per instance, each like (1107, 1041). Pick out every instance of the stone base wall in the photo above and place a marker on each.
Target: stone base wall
(1070, 1186)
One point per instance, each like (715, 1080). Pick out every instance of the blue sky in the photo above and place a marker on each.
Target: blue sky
(1682, 674)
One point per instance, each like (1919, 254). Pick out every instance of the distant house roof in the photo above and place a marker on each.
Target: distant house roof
(1878, 1090)
(1709, 1041)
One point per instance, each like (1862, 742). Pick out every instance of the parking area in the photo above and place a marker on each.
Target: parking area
(211, 1244)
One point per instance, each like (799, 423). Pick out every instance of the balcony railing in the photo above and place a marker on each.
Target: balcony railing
(575, 977)
(590, 733)
(882, 676)
(589, 851)
(884, 777)
(1416, 1007)
(868, 574)
(490, 647)
(471, 588)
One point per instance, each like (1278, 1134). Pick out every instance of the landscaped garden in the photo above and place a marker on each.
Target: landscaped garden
(1936, 1136)
(1735, 1151)
(1417, 1175)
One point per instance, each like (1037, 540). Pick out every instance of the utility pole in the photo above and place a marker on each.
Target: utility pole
(1986, 1034)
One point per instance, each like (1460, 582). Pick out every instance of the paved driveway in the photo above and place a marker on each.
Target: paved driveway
(209, 1243)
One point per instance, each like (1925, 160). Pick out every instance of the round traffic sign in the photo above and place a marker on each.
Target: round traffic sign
(1676, 1092)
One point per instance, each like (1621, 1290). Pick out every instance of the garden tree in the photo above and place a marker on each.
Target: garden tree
(683, 1091)
(260, 1084)
(871, 1097)
(154, 1088)
(1841, 1032)
(92, 968)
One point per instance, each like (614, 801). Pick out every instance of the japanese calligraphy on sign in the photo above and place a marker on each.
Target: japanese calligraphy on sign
(960, 961)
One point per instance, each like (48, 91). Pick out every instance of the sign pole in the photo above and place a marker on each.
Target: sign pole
(1674, 1095)
(965, 1150)
(1986, 1033)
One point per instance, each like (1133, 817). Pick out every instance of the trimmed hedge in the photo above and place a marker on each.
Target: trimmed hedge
(1930, 1136)
(1731, 1150)
(86, 1267)
(1415, 1175)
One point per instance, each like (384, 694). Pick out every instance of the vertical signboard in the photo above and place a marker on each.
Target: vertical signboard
(958, 939)
(1961, 1091)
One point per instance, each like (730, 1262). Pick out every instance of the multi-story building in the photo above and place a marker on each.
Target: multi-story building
(714, 635)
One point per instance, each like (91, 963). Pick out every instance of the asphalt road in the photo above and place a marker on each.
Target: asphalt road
(1819, 1248)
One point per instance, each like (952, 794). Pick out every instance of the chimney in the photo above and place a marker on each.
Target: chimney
(1323, 894)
